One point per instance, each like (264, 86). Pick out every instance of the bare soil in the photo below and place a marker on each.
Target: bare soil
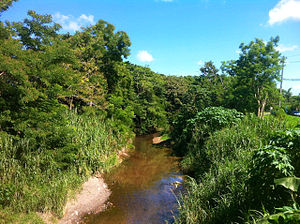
(91, 199)
(157, 140)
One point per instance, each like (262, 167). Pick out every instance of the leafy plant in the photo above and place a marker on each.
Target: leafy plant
(268, 163)
(285, 214)
(290, 140)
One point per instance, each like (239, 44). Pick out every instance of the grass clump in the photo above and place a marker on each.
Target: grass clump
(40, 179)
(7, 216)
(222, 168)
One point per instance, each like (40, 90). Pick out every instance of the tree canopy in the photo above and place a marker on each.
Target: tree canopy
(256, 71)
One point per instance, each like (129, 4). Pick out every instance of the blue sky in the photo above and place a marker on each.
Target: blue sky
(175, 37)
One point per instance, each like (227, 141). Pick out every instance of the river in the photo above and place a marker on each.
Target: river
(144, 187)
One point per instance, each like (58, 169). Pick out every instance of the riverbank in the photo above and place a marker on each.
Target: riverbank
(41, 179)
(91, 199)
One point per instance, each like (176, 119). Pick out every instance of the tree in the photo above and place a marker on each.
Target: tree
(210, 79)
(106, 47)
(36, 32)
(5, 4)
(210, 72)
(256, 70)
(287, 95)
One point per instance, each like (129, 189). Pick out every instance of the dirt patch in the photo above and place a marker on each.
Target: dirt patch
(91, 199)
(157, 140)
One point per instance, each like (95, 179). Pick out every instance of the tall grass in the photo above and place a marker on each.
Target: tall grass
(218, 192)
(30, 180)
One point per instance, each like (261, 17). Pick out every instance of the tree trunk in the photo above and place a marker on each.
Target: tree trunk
(71, 103)
(263, 107)
(258, 109)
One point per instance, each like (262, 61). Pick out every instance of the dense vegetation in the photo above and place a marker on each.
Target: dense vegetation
(235, 168)
(69, 103)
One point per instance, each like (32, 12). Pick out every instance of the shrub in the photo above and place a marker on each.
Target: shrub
(204, 123)
(268, 163)
(290, 140)
(219, 192)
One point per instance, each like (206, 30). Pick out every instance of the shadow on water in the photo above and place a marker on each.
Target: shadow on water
(143, 187)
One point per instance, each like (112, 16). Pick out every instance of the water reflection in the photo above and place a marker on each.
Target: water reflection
(143, 187)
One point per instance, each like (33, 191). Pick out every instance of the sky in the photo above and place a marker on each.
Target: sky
(176, 37)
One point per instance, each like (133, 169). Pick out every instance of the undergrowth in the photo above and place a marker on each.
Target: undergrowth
(219, 189)
(34, 180)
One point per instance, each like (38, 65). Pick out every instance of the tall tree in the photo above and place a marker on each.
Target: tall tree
(210, 72)
(256, 70)
(5, 4)
(37, 31)
(213, 81)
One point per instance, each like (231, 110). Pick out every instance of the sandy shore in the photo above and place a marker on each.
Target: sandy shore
(91, 199)
(157, 140)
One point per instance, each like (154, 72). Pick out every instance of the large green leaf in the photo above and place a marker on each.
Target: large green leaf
(291, 183)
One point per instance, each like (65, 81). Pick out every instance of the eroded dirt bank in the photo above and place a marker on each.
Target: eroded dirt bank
(91, 199)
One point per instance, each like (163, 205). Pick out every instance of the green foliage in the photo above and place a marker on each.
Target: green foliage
(7, 216)
(256, 71)
(204, 123)
(220, 192)
(292, 103)
(268, 163)
(280, 113)
(293, 121)
(291, 183)
(33, 180)
(290, 140)
(219, 195)
(37, 32)
(148, 101)
(47, 150)
(285, 215)
(5, 4)
(217, 84)
(215, 118)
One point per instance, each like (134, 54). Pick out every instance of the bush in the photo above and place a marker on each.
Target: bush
(267, 164)
(219, 192)
(290, 140)
(229, 143)
(204, 123)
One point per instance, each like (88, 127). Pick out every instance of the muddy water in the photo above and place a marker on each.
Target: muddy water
(143, 188)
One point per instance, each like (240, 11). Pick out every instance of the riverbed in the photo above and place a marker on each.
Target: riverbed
(144, 187)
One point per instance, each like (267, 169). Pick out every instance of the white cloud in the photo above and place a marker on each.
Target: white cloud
(200, 62)
(284, 10)
(59, 18)
(144, 56)
(238, 51)
(89, 18)
(296, 89)
(281, 48)
(70, 23)
(72, 26)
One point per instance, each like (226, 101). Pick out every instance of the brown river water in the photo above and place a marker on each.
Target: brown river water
(144, 188)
